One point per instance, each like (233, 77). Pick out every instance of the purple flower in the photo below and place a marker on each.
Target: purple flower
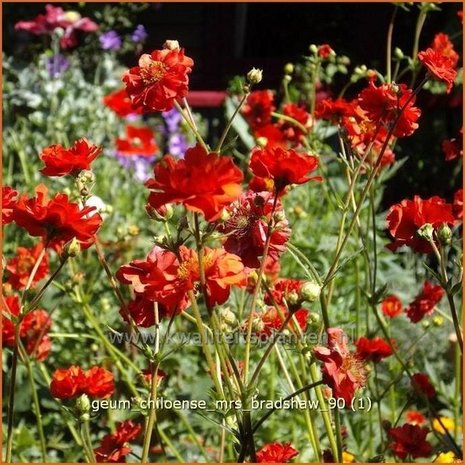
(56, 65)
(110, 40)
(139, 34)
(177, 145)
(172, 119)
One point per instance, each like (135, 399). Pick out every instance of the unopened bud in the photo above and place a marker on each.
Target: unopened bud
(293, 298)
(287, 78)
(162, 213)
(262, 141)
(445, 234)
(171, 45)
(426, 231)
(288, 68)
(395, 88)
(310, 291)
(225, 215)
(398, 53)
(227, 317)
(425, 324)
(83, 404)
(133, 230)
(313, 49)
(254, 76)
(257, 325)
(72, 248)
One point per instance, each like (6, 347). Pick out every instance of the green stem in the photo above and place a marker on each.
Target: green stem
(191, 126)
(152, 415)
(230, 122)
(87, 442)
(337, 422)
(389, 45)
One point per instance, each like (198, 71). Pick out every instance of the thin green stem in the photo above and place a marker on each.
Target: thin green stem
(389, 44)
(230, 122)
(191, 126)
(87, 441)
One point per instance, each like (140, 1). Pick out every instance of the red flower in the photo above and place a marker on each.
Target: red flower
(424, 302)
(258, 108)
(271, 320)
(165, 279)
(55, 17)
(32, 329)
(73, 381)
(159, 80)
(9, 198)
(292, 132)
(139, 141)
(342, 371)
(68, 383)
(284, 167)
(285, 292)
(373, 349)
(439, 66)
(451, 149)
(405, 218)
(457, 205)
(21, 265)
(443, 45)
(325, 51)
(391, 306)
(120, 102)
(415, 418)
(99, 383)
(58, 220)
(60, 161)
(382, 105)
(276, 452)
(409, 440)
(115, 446)
(142, 311)
(272, 136)
(178, 181)
(246, 228)
(334, 110)
(421, 383)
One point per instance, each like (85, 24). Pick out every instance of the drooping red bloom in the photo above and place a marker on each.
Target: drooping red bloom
(57, 220)
(442, 44)
(9, 198)
(383, 104)
(99, 383)
(276, 452)
(203, 182)
(73, 381)
(451, 148)
(160, 79)
(292, 132)
(372, 349)
(409, 440)
(60, 161)
(271, 320)
(165, 279)
(342, 370)
(21, 265)
(324, 51)
(114, 447)
(285, 292)
(55, 17)
(120, 102)
(439, 66)
(32, 330)
(138, 141)
(142, 311)
(391, 306)
(421, 383)
(283, 167)
(415, 418)
(68, 383)
(405, 218)
(457, 205)
(258, 108)
(334, 110)
(246, 228)
(424, 302)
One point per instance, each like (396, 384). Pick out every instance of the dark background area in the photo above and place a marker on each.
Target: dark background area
(227, 39)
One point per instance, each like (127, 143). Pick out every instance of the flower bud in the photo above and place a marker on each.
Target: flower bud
(310, 291)
(227, 317)
(254, 76)
(395, 88)
(171, 45)
(262, 141)
(133, 230)
(72, 248)
(288, 68)
(257, 325)
(163, 213)
(444, 234)
(293, 298)
(398, 53)
(83, 404)
(287, 78)
(314, 318)
(313, 49)
(425, 324)
(72, 16)
(426, 231)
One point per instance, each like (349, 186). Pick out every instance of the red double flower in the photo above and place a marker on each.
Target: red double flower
(120, 102)
(409, 440)
(203, 182)
(276, 452)
(424, 302)
(9, 199)
(372, 349)
(74, 381)
(57, 220)
(60, 161)
(160, 79)
(138, 141)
